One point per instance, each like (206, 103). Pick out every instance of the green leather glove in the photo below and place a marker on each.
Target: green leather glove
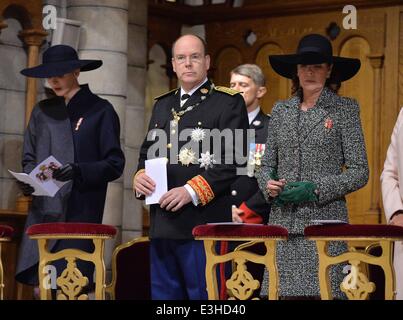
(297, 192)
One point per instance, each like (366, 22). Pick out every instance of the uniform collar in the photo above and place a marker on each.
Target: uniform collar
(253, 114)
(193, 90)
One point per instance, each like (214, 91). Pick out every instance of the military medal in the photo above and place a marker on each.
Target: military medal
(78, 124)
(207, 160)
(198, 134)
(175, 121)
(255, 157)
(187, 156)
(256, 123)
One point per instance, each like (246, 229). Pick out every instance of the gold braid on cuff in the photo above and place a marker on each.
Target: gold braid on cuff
(202, 188)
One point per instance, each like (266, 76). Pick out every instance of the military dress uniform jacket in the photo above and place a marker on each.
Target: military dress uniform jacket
(324, 145)
(85, 132)
(216, 108)
(245, 190)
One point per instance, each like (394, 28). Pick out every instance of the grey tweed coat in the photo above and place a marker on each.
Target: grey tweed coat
(324, 145)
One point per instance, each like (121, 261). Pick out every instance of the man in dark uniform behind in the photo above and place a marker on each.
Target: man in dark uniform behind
(248, 202)
(198, 180)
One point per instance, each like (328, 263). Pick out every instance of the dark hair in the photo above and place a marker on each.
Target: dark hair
(333, 82)
(204, 43)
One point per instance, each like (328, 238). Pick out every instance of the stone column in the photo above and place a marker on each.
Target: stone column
(12, 106)
(134, 133)
(104, 36)
(33, 39)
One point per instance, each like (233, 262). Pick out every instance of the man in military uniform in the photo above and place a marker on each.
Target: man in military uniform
(198, 180)
(248, 202)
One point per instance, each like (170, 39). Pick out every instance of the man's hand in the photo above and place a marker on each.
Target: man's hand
(65, 173)
(175, 199)
(26, 189)
(143, 184)
(236, 214)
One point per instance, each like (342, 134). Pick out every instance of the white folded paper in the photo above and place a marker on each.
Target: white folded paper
(41, 178)
(156, 169)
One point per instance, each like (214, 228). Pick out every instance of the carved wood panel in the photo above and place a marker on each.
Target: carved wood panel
(360, 87)
(277, 87)
(227, 59)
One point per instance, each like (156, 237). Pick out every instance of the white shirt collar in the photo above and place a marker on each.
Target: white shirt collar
(252, 115)
(194, 89)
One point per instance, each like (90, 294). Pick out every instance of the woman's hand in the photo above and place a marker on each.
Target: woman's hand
(274, 187)
(397, 219)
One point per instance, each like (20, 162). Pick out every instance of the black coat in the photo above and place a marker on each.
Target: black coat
(219, 110)
(92, 143)
(245, 189)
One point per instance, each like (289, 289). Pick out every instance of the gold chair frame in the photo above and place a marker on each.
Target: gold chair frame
(240, 256)
(356, 285)
(2, 239)
(73, 277)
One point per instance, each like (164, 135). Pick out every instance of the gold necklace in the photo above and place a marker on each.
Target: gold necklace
(177, 115)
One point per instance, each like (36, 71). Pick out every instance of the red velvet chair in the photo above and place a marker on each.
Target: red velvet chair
(356, 284)
(71, 281)
(131, 271)
(241, 284)
(6, 232)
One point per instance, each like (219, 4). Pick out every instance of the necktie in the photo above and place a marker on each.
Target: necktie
(184, 97)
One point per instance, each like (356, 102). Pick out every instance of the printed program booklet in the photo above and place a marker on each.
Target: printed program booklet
(41, 178)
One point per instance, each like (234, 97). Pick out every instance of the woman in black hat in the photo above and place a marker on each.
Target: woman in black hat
(315, 156)
(81, 131)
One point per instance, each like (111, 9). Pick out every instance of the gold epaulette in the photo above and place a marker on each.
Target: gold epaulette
(166, 93)
(226, 90)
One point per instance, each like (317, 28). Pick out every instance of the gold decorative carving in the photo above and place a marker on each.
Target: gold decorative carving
(71, 282)
(33, 37)
(239, 256)
(242, 284)
(356, 284)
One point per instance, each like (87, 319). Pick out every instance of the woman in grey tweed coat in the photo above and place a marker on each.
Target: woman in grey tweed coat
(315, 156)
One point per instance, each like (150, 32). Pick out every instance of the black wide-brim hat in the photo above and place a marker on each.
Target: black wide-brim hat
(59, 60)
(314, 49)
